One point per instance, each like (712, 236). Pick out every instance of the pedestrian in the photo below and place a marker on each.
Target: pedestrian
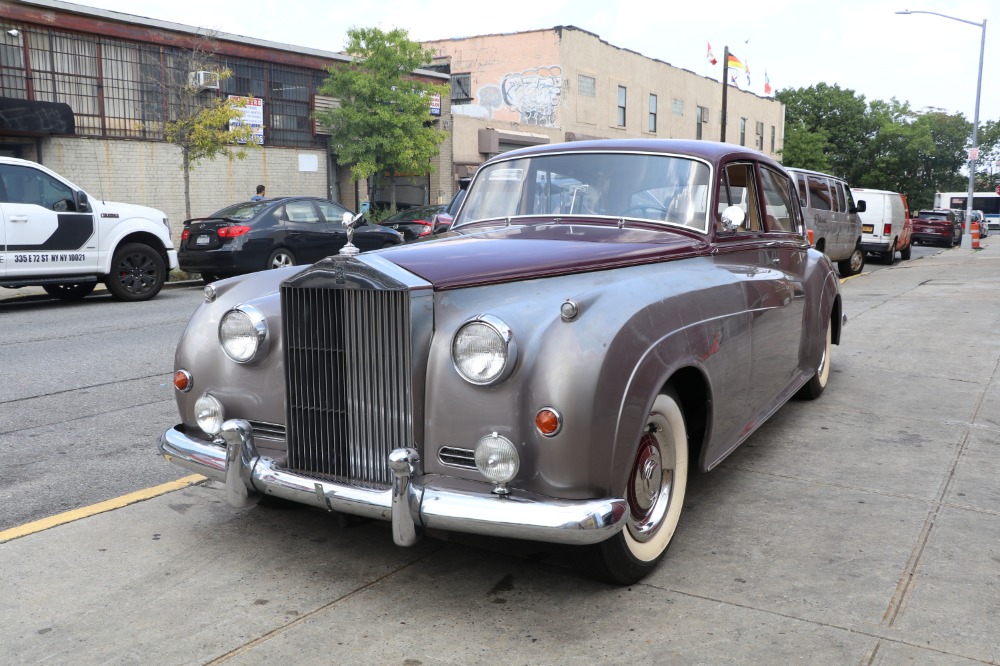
(259, 195)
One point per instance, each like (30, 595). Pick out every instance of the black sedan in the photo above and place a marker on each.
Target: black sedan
(271, 233)
(414, 222)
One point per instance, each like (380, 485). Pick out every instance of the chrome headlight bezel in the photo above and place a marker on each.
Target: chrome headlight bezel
(256, 333)
(209, 414)
(494, 331)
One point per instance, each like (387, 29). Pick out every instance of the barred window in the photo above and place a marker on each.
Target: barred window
(461, 89)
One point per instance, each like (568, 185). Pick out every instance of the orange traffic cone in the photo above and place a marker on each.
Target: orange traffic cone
(975, 236)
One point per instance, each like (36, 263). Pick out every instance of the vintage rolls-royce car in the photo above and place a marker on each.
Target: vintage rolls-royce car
(602, 317)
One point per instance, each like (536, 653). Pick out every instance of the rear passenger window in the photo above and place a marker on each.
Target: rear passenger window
(819, 193)
(778, 202)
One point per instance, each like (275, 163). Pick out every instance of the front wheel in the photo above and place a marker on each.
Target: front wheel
(280, 258)
(814, 387)
(138, 272)
(853, 264)
(655, 495)
(69, 292)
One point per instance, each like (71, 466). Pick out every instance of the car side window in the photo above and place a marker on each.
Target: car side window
(301, 211)
(779, 202)
(739, 188)
(819, 193)
(803, 190)
(333, 213)
(30, 186)
(841, 201)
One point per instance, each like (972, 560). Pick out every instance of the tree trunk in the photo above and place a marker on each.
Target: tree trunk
(186, 166)
(392, 190)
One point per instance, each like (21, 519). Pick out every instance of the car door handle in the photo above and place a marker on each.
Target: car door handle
(18, 218)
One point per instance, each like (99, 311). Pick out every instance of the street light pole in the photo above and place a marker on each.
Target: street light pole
(974, 153)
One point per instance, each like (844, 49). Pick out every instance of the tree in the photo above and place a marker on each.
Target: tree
(201, 124)
(806, 149)
(989, 155)
(383, 121)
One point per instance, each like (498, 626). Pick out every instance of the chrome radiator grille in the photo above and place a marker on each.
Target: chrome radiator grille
(347, 379)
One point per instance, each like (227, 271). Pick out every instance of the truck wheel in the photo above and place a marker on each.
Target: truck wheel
(137, 273)
(69, 292)
(905, 253)
(655, 495)
(853, 264)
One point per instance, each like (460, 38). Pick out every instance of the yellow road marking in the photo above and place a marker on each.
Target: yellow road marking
(100, 507)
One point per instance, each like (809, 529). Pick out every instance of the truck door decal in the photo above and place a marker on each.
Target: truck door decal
(71, 233)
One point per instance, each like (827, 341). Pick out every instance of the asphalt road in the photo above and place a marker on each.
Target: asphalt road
(85, 392)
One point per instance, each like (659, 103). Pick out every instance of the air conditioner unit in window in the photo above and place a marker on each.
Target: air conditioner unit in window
(204, 79)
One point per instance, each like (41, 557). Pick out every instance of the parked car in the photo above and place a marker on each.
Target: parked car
(979, 218)
(441, 221)
(885, 223)
(832, 217)
(271, 233)
(414, 222)
(938, 226)
(534, 373)
(66, 241)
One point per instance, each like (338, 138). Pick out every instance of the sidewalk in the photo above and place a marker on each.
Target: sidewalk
(860, 528)
(37, 293)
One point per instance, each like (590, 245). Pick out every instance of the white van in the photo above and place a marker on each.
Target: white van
(831, 216)
(884, 223)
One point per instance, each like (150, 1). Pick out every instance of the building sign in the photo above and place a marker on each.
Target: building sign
(435, 104)
(252, 110)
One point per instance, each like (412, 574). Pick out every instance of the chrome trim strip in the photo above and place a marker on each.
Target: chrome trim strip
(423, 501)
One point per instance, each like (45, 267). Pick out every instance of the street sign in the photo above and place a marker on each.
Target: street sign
(973, 153)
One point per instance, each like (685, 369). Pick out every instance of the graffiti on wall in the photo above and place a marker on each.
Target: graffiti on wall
(534, 94)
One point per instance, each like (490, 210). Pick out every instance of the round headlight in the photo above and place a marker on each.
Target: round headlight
(208, 414)
(496, 458)
(243, 334)
(484, 351)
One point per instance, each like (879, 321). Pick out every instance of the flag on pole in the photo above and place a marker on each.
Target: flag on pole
(711, 56)
(767, 84)
(746, 70)
(734, 62)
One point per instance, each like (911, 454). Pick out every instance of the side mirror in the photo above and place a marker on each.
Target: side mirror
(732, 218)
(860, 208)
(81, 201)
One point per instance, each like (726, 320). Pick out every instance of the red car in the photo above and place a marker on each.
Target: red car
(937, 227)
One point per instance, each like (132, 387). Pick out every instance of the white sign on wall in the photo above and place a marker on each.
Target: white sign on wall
(252, 109)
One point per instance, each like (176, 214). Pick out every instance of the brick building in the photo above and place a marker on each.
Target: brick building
(564, 84)
(82, 92)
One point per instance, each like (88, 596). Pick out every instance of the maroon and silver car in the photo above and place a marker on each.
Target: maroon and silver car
(603, 318)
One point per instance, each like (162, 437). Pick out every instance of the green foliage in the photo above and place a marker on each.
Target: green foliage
(878, 144)
(383, 121)
(987, 172)
(206, 133)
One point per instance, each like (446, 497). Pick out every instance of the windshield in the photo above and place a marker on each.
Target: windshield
(659, 188)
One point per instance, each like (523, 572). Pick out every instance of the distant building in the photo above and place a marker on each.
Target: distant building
(565, 84)
(84, 92)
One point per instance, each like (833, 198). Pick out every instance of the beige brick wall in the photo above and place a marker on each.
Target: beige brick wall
(148, 173)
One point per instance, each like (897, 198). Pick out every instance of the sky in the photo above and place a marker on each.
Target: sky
(860, 45)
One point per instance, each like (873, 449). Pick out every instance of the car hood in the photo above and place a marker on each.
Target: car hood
(511, 253)
(126, 211)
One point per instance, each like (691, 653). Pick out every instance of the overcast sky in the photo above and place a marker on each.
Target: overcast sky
(860, 45)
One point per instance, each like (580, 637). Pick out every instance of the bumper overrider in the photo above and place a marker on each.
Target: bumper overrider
(414, 502)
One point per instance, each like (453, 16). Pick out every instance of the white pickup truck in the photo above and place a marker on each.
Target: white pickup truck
(54, 235)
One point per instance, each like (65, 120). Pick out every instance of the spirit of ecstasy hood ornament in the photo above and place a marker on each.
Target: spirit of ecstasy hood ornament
(350, 249)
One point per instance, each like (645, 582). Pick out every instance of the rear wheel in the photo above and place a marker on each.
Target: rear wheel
(655, 494)
(280, 258)
(890, 256)
(137, 273)
(814, 387)
(69, 292)
(905, 253)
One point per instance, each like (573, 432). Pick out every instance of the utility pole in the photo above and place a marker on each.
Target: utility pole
(725, 89)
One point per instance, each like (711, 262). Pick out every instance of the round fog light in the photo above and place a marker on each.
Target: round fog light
(209, 415)
(496, 459)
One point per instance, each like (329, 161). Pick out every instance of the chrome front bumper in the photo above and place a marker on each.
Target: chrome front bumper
(414, 502)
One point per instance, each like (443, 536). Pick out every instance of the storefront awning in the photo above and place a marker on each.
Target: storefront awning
(21, 116)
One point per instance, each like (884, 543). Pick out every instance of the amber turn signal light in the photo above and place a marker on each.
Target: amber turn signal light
(182, 381)
(548, 421)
